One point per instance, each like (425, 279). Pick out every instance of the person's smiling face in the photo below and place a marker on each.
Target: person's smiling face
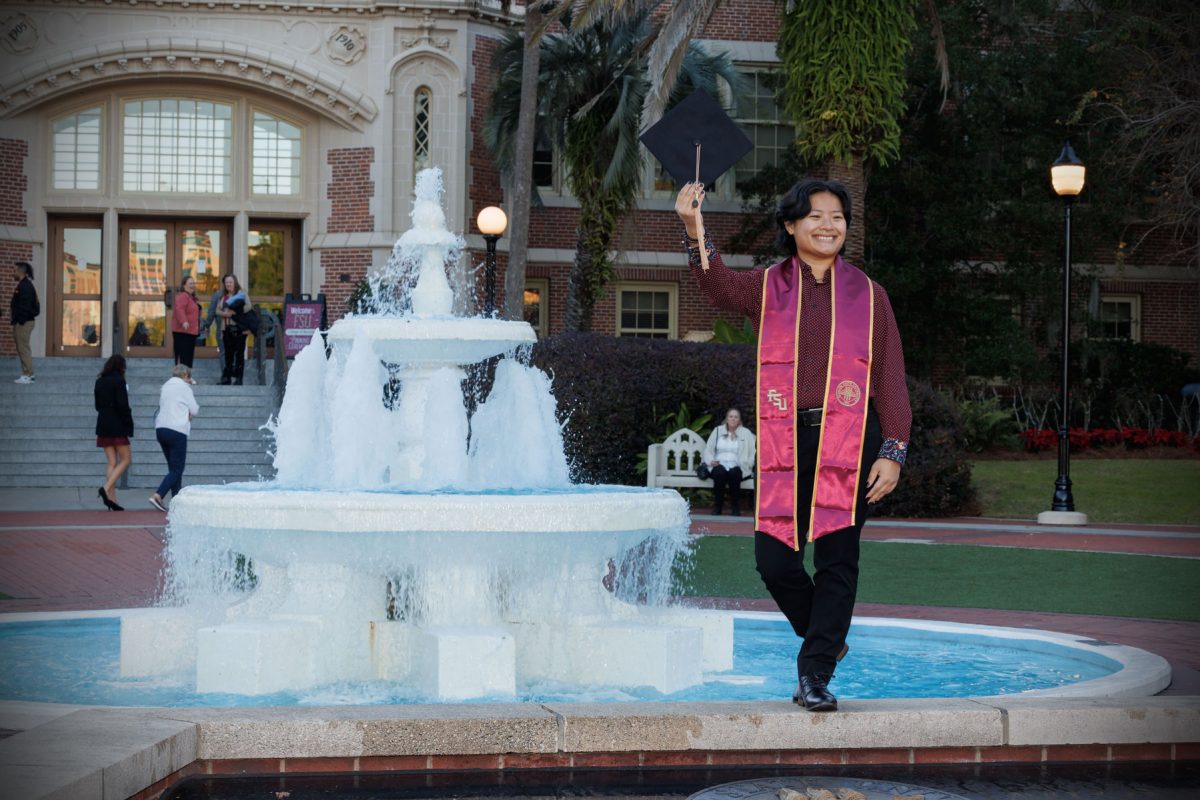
(820, 234)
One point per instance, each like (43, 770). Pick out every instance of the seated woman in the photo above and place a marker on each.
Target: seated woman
(730, 457)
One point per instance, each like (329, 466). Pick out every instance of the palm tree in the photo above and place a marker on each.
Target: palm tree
(593, 82)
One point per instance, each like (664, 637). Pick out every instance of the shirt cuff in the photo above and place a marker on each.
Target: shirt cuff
(894, 449)
(693, 248)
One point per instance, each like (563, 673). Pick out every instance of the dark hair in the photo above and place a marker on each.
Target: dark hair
(115, 363)
(237, 287)
(186, 278)
(796, 204)
(25, 267)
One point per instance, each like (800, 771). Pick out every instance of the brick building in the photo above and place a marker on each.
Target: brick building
(141, 144)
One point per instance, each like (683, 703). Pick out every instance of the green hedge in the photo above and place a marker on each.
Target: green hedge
(611, 392)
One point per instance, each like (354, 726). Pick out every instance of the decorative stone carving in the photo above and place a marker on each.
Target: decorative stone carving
(346, 45)
(18, 34)
(426, 36)
(171, 62)
(219, 63)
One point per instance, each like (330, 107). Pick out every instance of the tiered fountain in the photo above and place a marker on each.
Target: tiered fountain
(403, 541)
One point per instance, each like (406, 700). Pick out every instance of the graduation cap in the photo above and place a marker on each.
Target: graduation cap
(696, 140)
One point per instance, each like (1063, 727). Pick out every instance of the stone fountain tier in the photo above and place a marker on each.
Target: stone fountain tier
(434, 341)
(455, 594)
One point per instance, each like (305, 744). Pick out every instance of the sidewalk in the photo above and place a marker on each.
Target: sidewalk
(59, 552)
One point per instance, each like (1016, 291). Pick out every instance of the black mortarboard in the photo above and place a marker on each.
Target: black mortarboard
(697, 120)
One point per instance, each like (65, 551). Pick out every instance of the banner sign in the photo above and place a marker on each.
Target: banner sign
(300, 321)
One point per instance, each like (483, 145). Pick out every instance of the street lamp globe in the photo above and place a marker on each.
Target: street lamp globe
(1067, 173)
(492, 221)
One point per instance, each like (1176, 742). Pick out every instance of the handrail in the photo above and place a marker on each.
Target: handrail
(268, 326)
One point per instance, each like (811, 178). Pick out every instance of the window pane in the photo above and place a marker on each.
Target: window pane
(81, 323)
(760, 116)
(177, 146)
(421, 107)
(266, 264)
(276, 156)
(76, 159)
(645, 313)
(81, 270)
(147, 261)
(201, 259)
(147, 323)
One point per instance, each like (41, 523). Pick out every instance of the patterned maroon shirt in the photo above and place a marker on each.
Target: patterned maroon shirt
(741, 292)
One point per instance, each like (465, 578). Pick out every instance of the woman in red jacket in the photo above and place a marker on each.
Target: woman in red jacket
(185, 322)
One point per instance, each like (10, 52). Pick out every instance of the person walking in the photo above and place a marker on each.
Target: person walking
(185, 322)
(730, 457)
(833, 412)
(172, 425)
(233, 307)
(114, 426)
(24, 309)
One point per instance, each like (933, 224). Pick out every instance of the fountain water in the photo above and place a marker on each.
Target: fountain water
(403, 541)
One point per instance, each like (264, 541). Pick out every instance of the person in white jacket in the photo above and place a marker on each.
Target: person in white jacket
(172, 426)
(730, 458)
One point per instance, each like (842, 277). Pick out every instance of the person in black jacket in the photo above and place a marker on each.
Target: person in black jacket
(114, 426)
(24, 309)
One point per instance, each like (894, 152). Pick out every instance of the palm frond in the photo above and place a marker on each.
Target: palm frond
(682, 24)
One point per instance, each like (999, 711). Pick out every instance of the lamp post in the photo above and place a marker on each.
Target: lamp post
(1067, 176)
(491, 222)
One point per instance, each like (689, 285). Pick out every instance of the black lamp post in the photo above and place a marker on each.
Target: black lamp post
(492, 222)
(1067, 176)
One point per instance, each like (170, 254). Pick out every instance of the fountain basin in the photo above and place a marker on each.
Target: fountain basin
(434, 341)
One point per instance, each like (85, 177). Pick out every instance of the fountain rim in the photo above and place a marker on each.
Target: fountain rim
(598, 509)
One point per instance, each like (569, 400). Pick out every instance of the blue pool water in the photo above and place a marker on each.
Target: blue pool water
(76, 661)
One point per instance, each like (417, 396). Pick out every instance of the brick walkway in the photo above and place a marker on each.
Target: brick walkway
(70, 560)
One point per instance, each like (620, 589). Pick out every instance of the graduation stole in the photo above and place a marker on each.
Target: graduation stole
(847, 387)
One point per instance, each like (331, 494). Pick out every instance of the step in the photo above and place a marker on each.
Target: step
(11, 438)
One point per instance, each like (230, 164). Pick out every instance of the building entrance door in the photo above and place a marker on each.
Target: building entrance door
(156, 256)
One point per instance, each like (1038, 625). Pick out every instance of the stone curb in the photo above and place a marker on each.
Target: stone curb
(114, 753)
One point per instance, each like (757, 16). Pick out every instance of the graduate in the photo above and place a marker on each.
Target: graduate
(833, 413)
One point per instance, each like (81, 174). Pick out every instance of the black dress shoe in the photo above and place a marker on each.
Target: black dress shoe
(813, 693)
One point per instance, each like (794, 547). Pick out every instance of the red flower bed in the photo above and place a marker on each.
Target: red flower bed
(1037, 440)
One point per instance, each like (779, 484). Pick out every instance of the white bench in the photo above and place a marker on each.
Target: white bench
(672, 463)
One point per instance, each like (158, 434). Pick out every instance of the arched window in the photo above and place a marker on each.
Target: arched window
(174, 145)
(275, 162)
(422, 100)
(77, 150)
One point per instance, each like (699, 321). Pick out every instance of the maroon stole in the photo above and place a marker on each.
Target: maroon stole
(847, 387)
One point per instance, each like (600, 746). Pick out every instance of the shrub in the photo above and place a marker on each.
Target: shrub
(987, 425)
(936, 479)
(611, 391)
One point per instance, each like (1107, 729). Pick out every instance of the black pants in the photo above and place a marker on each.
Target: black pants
(819, 607)
(723, 479)
(235, 353)
(185, 347)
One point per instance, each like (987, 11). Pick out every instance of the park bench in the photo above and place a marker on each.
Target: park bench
(672, 463)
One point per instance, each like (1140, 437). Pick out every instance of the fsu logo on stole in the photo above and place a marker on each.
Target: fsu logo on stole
(848, 393)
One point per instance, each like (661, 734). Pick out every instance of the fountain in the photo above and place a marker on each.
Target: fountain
(403, 541)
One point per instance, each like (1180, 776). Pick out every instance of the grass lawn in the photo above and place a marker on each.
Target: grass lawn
(1106, 489)
(1152, 587)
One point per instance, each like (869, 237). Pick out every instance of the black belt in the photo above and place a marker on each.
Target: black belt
(810, 417)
